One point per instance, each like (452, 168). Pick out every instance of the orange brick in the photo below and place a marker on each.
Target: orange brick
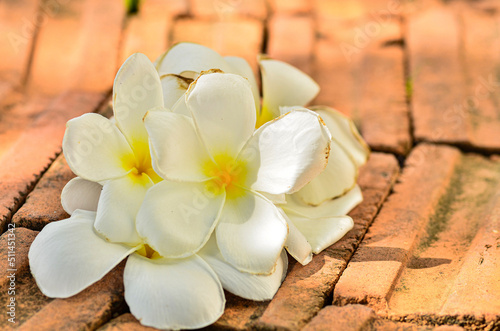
(88, 309)
(78, 47)
(28, 299)
(242, 37)
(18, 23)
(432, 251)
(348, 318)
(34, 149)
(228, 9)
(284, 29)
(125, 322)
(148, 31)
(359, 66)
(43, 204)
(290, 6)
(306, 288)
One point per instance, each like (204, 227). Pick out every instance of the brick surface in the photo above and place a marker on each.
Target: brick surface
(228, 9)
(80, 47)
(226, 37)
(148, 31)
(359, 66)
(125, 322)
(300, 29)
(295, 7)
(306, 288)
(32, 152)
(18, 23)
(455, 86)
(43, 204)
(348, 318)
(431, 252)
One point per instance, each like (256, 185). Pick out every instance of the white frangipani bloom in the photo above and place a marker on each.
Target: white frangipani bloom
(115, 156)
(68, 256)
(222, 174)
(316, 213)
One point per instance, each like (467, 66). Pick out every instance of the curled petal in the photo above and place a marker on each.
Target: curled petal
(174, 87)
(67, 256)
(336, 207)
(287, 153)
(339, 176)
(178, 153)
(245, 285)
(296, 244)
(137, 88)
(322, 232)
(173, 294)
(178, 218)
(223, 108)
(240, 66)
(189, 57)
(118, 207)
(80, 193)
(251, 233)
(345, 133)
(95, 149)
(284, 85)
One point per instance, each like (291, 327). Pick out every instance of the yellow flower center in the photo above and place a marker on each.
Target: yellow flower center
(140, 163)
(148, 252)
(226, 174)
(264, 116)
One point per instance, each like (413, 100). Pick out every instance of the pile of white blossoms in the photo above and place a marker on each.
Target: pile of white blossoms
(200, 185)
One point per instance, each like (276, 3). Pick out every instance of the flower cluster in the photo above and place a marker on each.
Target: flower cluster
(200, 185)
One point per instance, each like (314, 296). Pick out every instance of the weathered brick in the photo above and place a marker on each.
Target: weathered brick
(306, 288)
(226, 37)
(148, 31)
(19, 20)
(348, 318)
(359, 66)
(36, 146)
(78, 47)
(374, 268)
(125, 322)
(290, 6)
(87, 310)
(228, 9)
(300, 29)
(431, 253)
(43, 204)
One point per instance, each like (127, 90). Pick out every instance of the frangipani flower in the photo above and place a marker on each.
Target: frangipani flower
(222, 174)
(68, 256)
(115, 156)
(282, 84)
(316, 213)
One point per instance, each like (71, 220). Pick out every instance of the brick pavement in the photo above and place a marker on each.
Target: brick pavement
(420, 79)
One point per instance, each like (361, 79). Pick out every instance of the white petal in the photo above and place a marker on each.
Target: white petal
(285, 85)
(118, 207)
(67, 256)
(223, 109)
(95, 149)
(296, 244)
(178, 218)
(137, 88)
(245, 285)
(173, 294)
(345, 133)
(180, 107)
(80, 193)
(322, 232)
(178, 153)
(336, 207)
(189, 57)
(174, 87)
(251, 233)
(275, 198)
(240, 66)
(339, 176)
(287, 153)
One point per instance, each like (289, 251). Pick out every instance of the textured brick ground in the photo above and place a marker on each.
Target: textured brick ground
(420, 78)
